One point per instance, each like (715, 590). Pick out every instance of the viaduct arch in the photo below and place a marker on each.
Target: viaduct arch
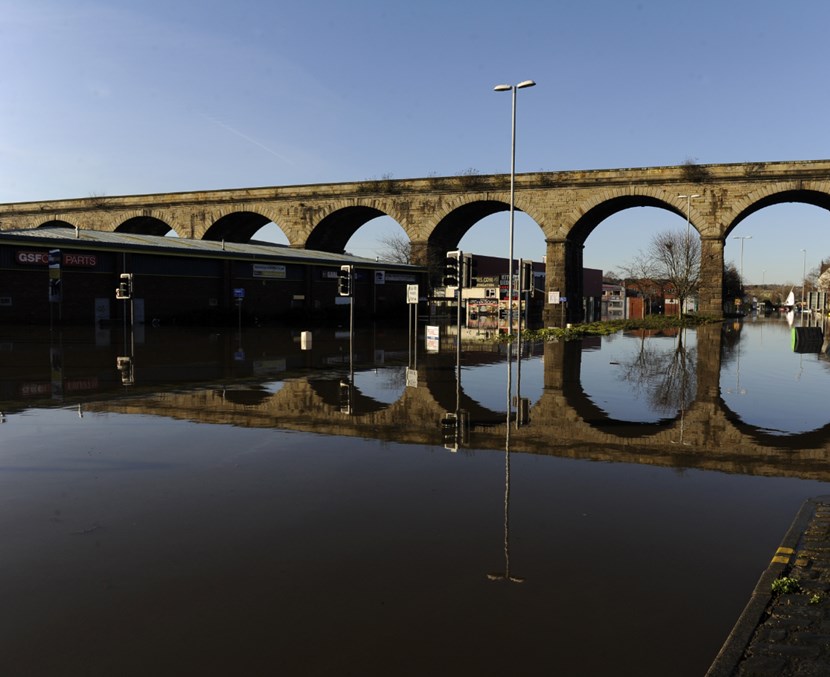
(435, 212)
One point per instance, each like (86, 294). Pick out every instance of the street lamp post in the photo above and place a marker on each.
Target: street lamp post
(803, 278)
(513, 89)
(742, 238)
(687, 246)
(688, 199)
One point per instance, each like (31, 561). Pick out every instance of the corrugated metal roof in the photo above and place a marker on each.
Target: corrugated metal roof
(62, 236)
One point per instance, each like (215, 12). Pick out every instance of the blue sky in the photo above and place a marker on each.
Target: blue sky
(118, 97)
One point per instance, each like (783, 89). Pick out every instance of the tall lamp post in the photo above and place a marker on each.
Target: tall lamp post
(803, 278)
(687, 247)
(513, 89)
(742, 238)
(688, 199)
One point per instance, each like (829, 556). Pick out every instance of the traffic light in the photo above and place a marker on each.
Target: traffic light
(525, 275)
(452, 274)
(124, 290)
(450, 432)
(124, 365)
(346, 396)
(344, 281)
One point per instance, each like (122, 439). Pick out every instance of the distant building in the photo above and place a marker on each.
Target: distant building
(486, 300)
(613, 302)
(591, 294)
(639, 298)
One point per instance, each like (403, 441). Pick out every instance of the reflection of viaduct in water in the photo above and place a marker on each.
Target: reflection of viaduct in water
(563, 422)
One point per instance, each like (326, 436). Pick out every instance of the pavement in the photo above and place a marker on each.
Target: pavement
(787, 633)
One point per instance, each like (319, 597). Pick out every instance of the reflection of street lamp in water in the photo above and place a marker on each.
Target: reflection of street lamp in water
(683, 384)
(505, 575)
(737, 389)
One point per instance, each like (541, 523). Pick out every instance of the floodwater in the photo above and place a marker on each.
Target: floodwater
(233, 504)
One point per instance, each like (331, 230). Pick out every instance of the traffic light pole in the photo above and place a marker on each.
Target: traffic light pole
(458, 318)
(124, 292)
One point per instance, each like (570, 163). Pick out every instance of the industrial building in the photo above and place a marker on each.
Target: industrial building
(75, 276)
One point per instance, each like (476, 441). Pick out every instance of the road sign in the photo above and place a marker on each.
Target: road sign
(239, 293)
(412, 293)
(433, 338)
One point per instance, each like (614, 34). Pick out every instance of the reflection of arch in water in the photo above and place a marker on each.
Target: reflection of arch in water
(330, 391)
(590, 413)
(812, 439)
(437, 375)
(563, 369)
(440, 380)
(250, 396)
(762, 436)
(386, 383)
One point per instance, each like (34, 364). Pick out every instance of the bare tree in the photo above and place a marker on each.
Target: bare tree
(396, 248)
(640, 274)
(668, 377)
(677, 257)
(811, 279)
(676, 386)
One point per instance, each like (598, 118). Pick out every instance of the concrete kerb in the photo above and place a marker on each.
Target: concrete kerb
(732, 651)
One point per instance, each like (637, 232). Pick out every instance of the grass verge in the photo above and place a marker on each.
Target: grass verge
(652, 323)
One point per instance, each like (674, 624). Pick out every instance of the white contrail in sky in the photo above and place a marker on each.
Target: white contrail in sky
(248, 138)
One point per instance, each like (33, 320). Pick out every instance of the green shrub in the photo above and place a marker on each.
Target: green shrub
(785, 586)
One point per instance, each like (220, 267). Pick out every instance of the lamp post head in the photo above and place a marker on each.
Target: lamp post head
(508, 88)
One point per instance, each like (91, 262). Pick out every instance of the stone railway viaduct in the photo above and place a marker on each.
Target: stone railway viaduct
(436, 212)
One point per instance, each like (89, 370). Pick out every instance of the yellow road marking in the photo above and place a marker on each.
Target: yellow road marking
(782, 555)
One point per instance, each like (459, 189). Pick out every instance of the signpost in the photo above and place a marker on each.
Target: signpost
(239, 295)
(412, 309)
(555, 298)
(55, 292)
